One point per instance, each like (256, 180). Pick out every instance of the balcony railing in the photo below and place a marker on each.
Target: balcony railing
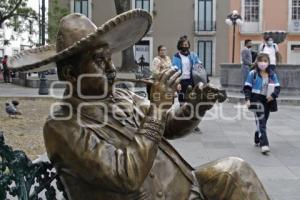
(205, 26)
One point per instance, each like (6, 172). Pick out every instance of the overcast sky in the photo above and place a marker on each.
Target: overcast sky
(35, 4)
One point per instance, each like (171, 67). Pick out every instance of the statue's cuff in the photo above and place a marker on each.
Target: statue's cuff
(153, 129)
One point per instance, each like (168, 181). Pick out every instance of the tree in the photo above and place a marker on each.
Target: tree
(15, 11)
(128, 62)
(56, 12)
(16, 14)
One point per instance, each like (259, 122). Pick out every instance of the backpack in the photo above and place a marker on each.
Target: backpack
(264, 45)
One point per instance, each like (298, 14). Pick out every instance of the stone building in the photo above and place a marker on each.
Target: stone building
(201, 20)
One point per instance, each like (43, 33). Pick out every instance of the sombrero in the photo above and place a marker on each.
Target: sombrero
(117, 34)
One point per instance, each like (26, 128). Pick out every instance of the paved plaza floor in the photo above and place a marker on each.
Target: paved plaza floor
(229, 135)
(227, 130)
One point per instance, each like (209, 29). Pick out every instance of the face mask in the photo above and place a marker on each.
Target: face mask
(249, 47)
(262, 65)
(270, 43)
(184, 50)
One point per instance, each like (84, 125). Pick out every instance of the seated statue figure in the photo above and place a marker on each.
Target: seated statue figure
(108, 143)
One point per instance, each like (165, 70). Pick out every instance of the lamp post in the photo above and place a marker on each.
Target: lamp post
(43, 87)
(234, 19)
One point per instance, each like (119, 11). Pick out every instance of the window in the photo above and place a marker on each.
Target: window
(296, 10)
(81, 6)
(205, 15)
(251, 10)
(205, 53)
(143, 4)
(15, 51)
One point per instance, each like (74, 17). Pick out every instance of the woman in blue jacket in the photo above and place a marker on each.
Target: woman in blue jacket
(183, 61)
(259, 99)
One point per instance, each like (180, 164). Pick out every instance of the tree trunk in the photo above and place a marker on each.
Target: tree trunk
(128, 62)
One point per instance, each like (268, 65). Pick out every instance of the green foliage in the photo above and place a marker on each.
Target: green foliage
(15, 13)
(56, 12)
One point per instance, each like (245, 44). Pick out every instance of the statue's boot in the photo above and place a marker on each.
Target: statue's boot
(230, 179)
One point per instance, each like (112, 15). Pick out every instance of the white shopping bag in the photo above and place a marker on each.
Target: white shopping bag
(271, 88)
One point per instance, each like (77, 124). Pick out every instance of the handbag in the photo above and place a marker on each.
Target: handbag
(273, 106)
(199, 74)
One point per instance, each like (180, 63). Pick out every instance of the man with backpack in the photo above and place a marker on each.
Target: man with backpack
(246, 61)
(270, 48)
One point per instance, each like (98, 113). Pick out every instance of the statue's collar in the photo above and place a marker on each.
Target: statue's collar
(119, 107)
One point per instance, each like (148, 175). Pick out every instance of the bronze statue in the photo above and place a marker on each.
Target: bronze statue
(114, 145)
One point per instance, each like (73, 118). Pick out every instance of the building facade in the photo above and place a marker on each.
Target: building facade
(201, 20)
(268, 15)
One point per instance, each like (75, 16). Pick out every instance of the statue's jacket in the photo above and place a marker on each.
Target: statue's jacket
(99, 155)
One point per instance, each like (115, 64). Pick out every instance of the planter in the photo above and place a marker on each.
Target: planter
(288, 76)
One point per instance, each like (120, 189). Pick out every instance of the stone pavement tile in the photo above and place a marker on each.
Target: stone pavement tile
(213, 137)
(253, 156)
(295, 171)
(282, 188)
(288, 154)
(273, 137)
(193, 152)
(274, 173)
(235, 133)
(295, 143)
(287, 132)
(215, 154)
(242, 140)
(218, 144)
(292, 138)
(280, 128)
(286, 196)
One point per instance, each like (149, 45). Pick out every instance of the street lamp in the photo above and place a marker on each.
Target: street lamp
(43, 87)
(234, 19)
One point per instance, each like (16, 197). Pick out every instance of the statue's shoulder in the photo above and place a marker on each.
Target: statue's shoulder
(59, 121)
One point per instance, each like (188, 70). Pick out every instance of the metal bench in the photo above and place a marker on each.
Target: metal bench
(22, 179)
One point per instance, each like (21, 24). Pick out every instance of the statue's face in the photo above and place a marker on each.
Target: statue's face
(99, 72)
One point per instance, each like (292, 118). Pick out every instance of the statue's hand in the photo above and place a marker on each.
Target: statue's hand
(203, 97)
(164, 87)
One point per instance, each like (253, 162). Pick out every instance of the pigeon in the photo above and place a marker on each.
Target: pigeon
(11, 109)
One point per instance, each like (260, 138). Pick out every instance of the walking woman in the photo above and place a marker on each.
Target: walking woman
(261, 90)
(183, 61)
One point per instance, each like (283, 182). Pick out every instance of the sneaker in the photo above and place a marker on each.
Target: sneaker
(197, 129)
(265, 149)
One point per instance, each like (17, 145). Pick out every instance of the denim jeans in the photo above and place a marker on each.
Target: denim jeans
(184, 85)
(261, 119)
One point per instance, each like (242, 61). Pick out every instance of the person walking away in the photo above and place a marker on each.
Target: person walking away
(183, 61)
(246, 61)
(6, 75)
(270, 48)
(261, 90)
